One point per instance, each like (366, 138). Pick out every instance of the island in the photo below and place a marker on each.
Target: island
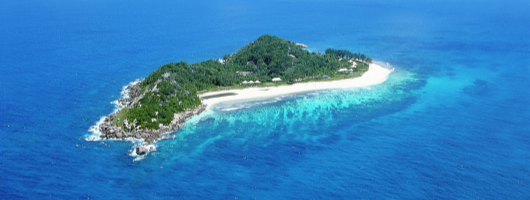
(161, 102)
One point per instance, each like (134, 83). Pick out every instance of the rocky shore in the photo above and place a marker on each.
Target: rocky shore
(131, 95)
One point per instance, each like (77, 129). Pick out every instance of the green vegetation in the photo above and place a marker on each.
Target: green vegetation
(345, 54)
(174, 87)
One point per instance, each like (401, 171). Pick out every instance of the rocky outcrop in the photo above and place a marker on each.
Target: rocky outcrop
(109, 130)
(141, 150)
(301, 45)
(144, 149)
(131, 129)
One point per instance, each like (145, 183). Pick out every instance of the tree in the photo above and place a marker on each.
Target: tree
(267, 57)
(356, 56)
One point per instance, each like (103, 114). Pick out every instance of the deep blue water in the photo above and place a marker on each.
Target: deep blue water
(453, 121)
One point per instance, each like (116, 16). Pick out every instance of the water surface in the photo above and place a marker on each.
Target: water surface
(450, 123)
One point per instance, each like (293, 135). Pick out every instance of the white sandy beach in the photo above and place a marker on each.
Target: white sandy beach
(375, 75)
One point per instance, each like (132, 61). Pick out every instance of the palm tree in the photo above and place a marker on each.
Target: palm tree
(356, 56)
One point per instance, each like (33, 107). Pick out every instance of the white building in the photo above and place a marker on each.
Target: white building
(276, 79)
(345, 70)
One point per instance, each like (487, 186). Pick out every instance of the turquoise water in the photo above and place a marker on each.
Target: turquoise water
(452, 122)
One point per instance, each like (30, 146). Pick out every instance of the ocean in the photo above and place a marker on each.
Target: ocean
(451, 122)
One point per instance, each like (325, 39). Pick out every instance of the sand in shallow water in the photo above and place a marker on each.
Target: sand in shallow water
(375, 75)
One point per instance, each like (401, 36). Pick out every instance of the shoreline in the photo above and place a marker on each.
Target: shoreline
(119, 105)
(375, 75)
(144, 140)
